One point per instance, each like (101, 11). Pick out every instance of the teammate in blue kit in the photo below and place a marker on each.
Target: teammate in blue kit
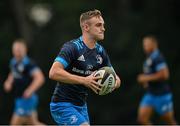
(73, 70)
(158, 97)
(25, 78)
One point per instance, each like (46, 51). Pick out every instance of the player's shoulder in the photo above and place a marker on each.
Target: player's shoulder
(12, 61)
(28, 61)
(74, 43)
(100, 48)
(157, 56)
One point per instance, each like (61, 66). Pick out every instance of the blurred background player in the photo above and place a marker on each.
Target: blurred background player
(73, 69)
(25, 78)
(158, 97)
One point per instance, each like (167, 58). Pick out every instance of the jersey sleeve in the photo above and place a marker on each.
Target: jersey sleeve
(160, 63)
(32, 67)
(66, 54)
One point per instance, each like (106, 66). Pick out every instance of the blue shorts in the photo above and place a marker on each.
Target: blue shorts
(24, 107)
(65, 113)
(161, 103)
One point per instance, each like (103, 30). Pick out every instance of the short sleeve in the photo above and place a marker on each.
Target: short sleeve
(160, 63)
(32, 67)
(66, 54)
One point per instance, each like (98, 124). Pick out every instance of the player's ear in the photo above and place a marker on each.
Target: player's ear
(86, 27)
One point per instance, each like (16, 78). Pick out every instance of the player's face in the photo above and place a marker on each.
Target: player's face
(96, 28)
(148, 45)
(19, 50)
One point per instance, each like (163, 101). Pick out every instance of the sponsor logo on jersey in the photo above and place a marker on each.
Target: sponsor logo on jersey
(81, 58)
(149, 62)
(87, 72)
(89, 67)
(20, 68)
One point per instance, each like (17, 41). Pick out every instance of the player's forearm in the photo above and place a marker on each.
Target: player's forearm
(156, 77)
(36, 83)
(63, 76)
(10, 79)
(72, 79)
(58, 73)
(8, 83)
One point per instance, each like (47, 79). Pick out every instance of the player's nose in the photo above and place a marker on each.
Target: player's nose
(103, 29)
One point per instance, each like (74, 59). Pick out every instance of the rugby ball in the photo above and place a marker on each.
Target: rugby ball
(108, 79)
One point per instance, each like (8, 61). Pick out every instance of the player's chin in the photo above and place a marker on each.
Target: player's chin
(100, 37)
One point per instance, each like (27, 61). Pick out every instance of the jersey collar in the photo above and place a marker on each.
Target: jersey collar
(80, 38)
(25, 60)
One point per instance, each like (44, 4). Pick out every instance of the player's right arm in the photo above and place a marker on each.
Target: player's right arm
(58, 70)
(162, 72)
(58, 73)
(8, 83)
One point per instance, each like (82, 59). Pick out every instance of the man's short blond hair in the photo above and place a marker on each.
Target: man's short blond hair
(152, 37)
(20, 40)
(88, 15)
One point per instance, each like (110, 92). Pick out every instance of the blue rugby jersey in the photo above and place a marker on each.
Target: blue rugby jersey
(78, 59)
(154, 63)
(22, 73)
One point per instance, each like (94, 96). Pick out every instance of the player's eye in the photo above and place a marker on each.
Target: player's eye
(99, 24)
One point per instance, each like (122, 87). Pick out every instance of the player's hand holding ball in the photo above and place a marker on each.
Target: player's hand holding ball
(91, 82)
(107, 81)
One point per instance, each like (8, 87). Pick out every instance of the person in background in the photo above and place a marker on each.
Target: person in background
(154, 79)
(25, 78)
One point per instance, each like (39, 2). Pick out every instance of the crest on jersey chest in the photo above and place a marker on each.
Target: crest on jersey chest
(147, 65)
(99, 59)
(17, 72)
(20, 67)
(149, 62)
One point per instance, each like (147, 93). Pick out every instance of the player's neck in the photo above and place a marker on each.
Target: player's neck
(89, 42)
(19, 59)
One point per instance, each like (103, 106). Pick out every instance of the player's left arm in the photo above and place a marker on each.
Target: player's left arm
(37, 82)
(107, 62)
